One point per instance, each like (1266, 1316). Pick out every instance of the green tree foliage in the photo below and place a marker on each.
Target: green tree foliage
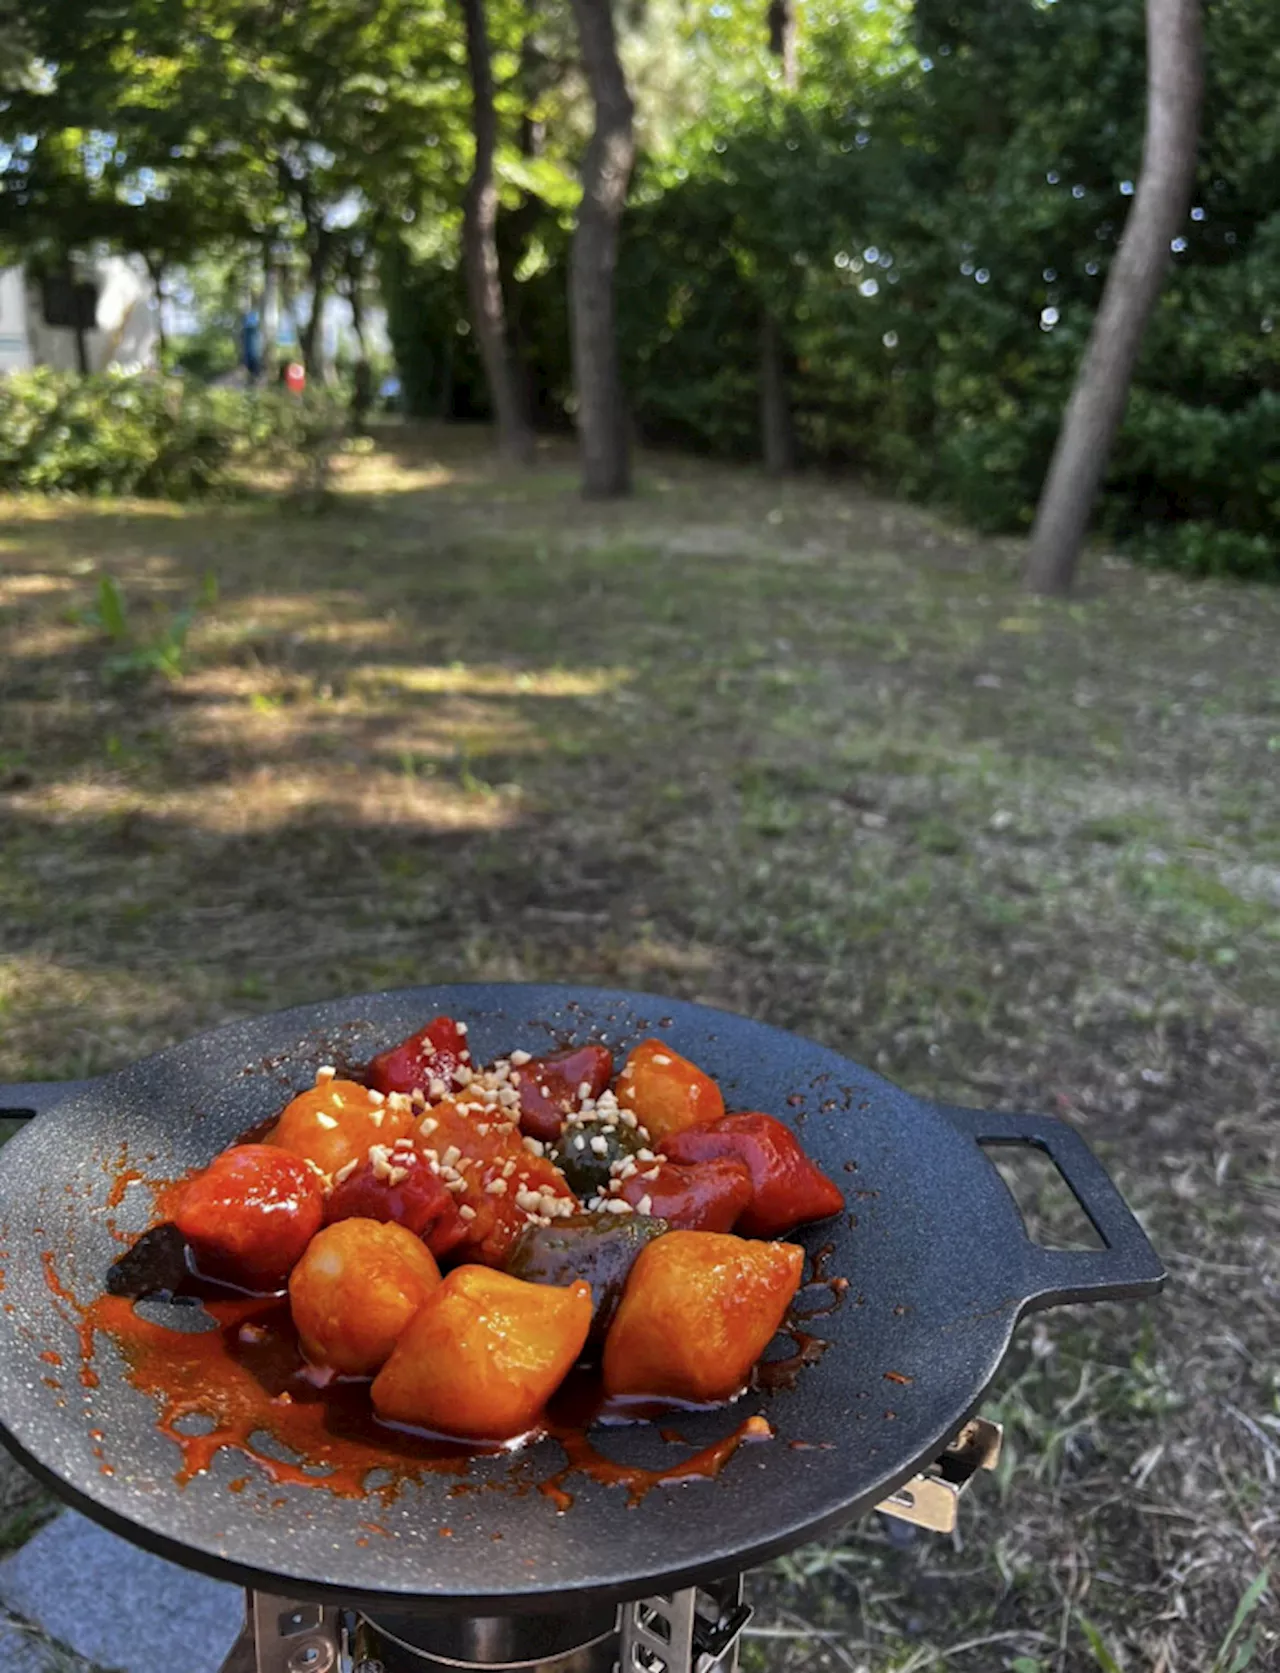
(935, 227)
(298, 130)
(929, 216)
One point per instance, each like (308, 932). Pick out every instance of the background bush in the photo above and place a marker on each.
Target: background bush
(139, 434)
(208, 354)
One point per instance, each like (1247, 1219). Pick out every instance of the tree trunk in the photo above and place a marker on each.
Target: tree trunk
(80, 312)
(362, 379)
(517, 226)
(357, 315)
(270, 313)
(513, 233)
(603, 428)
(480, 249)
(155, 272)
(782, 38)
(777, 437)
(1096, 408)
(311, 336)
(270, 324)
(777, 434)
(289, 311)
(533, 132)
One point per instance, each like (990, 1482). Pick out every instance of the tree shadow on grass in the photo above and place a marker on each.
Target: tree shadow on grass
(461, 721)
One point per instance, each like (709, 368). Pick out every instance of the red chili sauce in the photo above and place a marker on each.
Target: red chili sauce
(245, 1384)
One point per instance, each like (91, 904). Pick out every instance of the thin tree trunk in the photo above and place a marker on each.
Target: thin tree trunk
(782, 38)
(517, 227)
(777, 434)
(1174, 83)
(480, 249)
(270, 312)
(270, 324)
(533, 132)
(311, 336)
(155, 272)
(513, 232)
(603, 428)
(289, 310)
(362, 379)
(357, 316)
(318, 243)
(446, 380)
(78, 312)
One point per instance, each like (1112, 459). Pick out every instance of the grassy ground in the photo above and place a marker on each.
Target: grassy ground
(787, 750)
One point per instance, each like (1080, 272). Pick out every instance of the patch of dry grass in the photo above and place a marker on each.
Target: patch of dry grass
(788, 750)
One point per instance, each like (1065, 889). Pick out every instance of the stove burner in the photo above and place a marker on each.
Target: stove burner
(584, 1641)
(691, 1631)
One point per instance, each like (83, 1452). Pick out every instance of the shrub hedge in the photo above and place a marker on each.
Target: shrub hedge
(117, 433)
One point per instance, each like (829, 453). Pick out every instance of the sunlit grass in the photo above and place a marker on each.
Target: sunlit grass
(45, 509)
(481, 681)
(14, 588)
(277, 798)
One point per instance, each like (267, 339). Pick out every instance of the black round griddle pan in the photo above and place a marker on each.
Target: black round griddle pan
(939, 1263)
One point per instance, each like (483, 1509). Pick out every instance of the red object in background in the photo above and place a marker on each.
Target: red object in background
(560, 1073)
(295, 377)
(417, 1200)
(787, 1189)
(250, 1215)
(434, 1053)
(698, 1197)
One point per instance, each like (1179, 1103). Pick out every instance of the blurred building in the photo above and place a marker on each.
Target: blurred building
(106, 309)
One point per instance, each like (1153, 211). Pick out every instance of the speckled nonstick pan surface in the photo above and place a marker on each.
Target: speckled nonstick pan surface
(939, 1264)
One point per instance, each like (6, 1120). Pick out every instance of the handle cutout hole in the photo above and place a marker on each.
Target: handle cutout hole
(1047, 1204)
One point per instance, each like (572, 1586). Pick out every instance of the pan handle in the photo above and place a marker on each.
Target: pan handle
(1126, 1268)
(27, 1099)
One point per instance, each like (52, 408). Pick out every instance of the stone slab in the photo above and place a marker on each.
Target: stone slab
(117, 1606)
(20, 1652)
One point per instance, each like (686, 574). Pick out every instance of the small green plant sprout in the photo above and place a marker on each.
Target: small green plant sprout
(139, 653)
(1233, 1657)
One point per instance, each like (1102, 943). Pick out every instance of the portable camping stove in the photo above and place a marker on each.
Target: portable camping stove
(695, 1630)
